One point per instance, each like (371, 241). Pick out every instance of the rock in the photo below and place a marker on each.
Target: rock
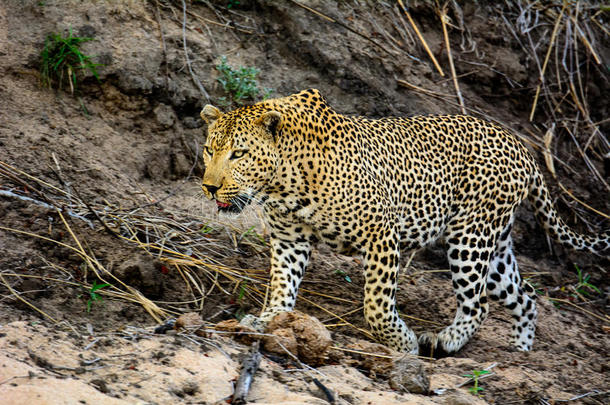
(376, 358)
(408, 375)
(459, 397)
(405, 372)
(312, 338)
(191, 321)
(192, 122)
(132, 82)
(165, 116)
(240, 332)
(144, 273)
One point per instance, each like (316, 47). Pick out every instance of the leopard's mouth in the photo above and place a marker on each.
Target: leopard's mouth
(235, 205)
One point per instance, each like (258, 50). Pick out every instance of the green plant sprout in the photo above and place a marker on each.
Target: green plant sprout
(93, 295)
(242, 290)
(251, 233)
(206, 229)
(584, 287)
(475, 389)
(343, 274)
(240, 313)
(240, 84)
(62, 56)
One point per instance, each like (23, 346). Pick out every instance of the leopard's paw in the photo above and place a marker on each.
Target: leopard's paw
(430, 346)
(254, 322)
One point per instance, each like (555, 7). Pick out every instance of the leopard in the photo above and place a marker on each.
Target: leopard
(379, 188)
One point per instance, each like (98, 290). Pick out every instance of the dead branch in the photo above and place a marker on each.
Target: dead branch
(421, 38)
(444, 18)
(341, 24)
(329, 395)
(248, 369)
(548, 157)
(186, 56)
(163, 46)
(546, 60)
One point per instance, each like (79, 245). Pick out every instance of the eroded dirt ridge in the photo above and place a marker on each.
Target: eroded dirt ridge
(125, 151)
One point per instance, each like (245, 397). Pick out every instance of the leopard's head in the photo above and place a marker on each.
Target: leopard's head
(240, 154)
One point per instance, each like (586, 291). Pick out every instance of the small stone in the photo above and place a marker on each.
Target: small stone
(165, 115)
(459, 397)
(100, 385)
(408, 374)
(143, 273)
(240, 332)
(191, 321)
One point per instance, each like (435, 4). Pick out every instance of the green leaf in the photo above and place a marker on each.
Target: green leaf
(241, 83)
(96, 286)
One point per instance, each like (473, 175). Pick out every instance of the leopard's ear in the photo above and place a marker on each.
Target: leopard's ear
(210, 114)
(272, 121)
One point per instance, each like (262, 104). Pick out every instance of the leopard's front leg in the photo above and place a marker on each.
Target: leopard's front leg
(381, 274)
(290, 251)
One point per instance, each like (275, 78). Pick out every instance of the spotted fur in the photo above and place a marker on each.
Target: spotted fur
(374, 187)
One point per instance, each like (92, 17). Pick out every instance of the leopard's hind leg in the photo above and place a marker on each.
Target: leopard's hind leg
(469, 253)
(504, 284)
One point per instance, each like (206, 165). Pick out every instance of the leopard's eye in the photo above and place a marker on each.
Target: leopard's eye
(209, 150)
(238, 153)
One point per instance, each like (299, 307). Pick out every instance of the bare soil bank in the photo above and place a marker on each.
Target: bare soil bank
(131, 141)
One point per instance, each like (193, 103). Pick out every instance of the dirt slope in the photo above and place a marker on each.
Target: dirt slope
(130, 142)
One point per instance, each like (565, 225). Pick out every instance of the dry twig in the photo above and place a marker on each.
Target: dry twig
(548, 157)
(605, 319)
(196, 80)
(341, 24)
(246, 376)
(421, 38)
(546, 60)
(444, 18)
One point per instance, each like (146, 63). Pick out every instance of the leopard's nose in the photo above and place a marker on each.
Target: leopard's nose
(211, 189)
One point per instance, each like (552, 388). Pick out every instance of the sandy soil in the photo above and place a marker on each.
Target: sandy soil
(132, 140)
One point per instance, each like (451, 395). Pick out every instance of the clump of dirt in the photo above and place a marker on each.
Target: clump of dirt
(293, 334)
(127, 148)
(300, 334)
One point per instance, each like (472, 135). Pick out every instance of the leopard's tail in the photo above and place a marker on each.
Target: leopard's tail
(547, 215)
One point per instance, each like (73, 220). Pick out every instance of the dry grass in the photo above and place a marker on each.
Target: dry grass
(562, 43)
(181, 241)
(197, 249)
(193, 246)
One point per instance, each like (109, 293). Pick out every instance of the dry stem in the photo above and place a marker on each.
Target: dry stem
(546, 60)
(444, 17)
(421, 38)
